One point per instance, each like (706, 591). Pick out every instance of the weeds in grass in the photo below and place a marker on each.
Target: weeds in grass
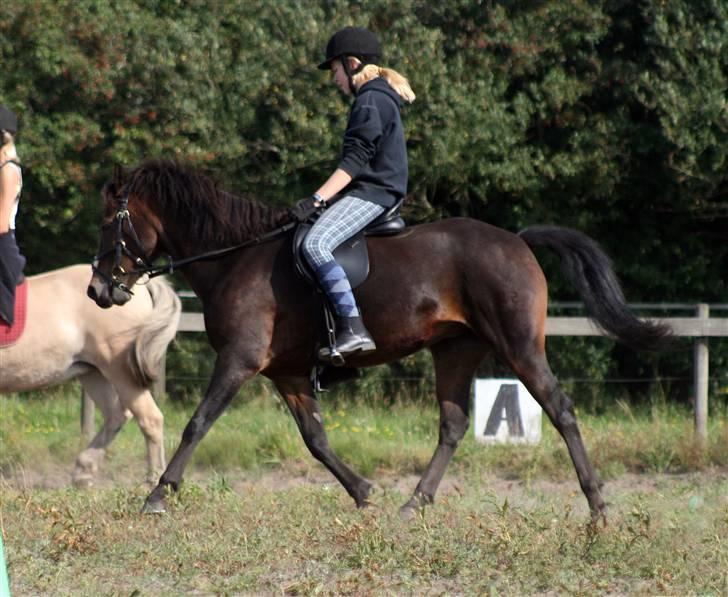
(311, 539)
(69, 535)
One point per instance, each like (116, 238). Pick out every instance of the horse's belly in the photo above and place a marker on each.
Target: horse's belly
(35, 377)
(27, 367)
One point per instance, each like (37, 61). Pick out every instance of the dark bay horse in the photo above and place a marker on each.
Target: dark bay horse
(459, 287)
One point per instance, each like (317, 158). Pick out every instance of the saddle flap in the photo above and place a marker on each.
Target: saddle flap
(351, 255)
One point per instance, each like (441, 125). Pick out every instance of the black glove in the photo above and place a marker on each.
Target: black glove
(304, 209)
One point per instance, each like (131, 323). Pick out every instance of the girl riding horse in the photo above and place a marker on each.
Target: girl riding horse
(371, 176)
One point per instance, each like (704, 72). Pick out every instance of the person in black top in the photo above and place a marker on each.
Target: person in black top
(371, 175)
(11, 182)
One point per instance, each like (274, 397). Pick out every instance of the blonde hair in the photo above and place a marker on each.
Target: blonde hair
(7, 147)
(399, 83)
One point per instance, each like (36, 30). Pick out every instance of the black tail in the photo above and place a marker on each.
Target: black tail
(587, 267)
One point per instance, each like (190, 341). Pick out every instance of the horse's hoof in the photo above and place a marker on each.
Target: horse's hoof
(364, 496)
(599, 519)
(83, 482)
(415, 506)
(367, 501)
(154, 507)
(409, 512)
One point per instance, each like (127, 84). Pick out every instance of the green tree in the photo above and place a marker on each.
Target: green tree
(608, 116)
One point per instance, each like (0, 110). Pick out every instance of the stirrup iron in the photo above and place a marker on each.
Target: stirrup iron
(334, 356)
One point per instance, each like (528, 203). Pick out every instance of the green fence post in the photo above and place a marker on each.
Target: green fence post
(4, 583)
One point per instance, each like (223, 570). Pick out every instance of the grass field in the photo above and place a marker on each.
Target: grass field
(258, 515)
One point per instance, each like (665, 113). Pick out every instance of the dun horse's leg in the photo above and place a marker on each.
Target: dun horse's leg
(226, 380)
(298, 395)
(455, 363)
(150, 419)
(541, 383)
(103, 394)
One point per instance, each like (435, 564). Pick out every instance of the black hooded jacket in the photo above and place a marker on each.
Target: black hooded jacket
(374, 152)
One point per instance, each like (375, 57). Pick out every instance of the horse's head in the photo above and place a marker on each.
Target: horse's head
(128, 244)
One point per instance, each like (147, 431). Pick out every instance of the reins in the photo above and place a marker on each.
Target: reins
(143, 267)
(153, 271)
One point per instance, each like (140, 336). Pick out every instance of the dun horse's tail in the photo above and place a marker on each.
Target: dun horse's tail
(156, 333)
(587, 267)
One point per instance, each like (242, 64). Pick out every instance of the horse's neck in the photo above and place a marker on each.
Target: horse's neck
(262, 219)
(209, 278)
(230, 223)
(202, 279)
(240, 223)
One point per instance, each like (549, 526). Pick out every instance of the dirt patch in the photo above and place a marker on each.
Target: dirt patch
(498, 490)
(44, 477)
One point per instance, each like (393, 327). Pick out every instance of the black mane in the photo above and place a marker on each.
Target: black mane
(206, 213)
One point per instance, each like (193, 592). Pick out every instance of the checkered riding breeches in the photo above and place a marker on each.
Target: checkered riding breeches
(341, 221)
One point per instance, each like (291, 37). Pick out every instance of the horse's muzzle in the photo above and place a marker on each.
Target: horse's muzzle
(98, 291)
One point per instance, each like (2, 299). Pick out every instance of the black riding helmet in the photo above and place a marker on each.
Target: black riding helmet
(8, 121)
(352, 41)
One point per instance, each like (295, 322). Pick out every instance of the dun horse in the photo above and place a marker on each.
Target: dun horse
(459, 287)
(114, 354)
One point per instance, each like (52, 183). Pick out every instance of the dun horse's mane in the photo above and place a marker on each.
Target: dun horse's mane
(202, 210)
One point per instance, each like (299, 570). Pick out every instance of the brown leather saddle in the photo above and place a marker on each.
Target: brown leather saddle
(352, 255)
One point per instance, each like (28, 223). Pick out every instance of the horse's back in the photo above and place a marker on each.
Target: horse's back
(56, 291)
(66, 333)
(439, 279)
(463, 248)
(58, 299)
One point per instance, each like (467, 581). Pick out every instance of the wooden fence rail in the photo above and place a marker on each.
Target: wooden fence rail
(700, 327)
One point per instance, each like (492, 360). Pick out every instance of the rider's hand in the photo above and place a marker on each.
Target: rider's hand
(305, 208)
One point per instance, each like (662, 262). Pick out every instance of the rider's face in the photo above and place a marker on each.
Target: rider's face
(338, 74)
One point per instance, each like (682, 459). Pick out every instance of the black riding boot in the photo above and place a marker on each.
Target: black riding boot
(351, 337)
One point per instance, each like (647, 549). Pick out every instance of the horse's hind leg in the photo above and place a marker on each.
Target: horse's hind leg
(535, 373)
(139, 401)
(103, 395)
(456, 360)
(299, 397)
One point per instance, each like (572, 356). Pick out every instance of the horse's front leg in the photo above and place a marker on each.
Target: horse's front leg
(304, 407)
(226, 380)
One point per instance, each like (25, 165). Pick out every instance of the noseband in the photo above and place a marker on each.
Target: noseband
(119, 248)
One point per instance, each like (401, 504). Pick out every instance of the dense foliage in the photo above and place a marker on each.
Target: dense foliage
(609, 116)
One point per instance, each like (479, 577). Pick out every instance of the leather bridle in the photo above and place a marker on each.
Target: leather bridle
(120, 248)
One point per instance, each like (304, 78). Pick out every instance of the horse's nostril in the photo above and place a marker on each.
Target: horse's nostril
(99, 295)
